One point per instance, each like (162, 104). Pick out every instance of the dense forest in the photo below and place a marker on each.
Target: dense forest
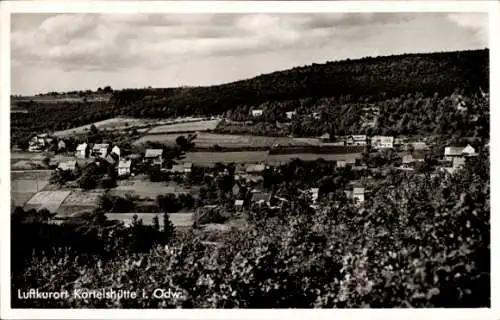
(414, 93)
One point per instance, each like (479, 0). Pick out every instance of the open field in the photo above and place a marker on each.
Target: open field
(184, 219)
(146, 189)
(50, 200)
(108, 124)
(186, 127)
(211, 158)
(205, 140)
(277, 159)
(24, 185)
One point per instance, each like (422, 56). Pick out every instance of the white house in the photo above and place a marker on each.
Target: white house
(469, 151)
(124, 168)
(358, 194)
(61, 145)
(346, 162)
(382, 142)
(458, 162)
(100, 150)
(81, 150)
(69, 165)
(116, 150)
(257, 112)
(314, 194)
(154, 155)
(356, 140)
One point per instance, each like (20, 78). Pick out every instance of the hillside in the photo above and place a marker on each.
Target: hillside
(369, 78)
(339, 89)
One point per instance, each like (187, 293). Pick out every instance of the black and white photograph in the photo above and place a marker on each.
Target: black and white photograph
(249, 160)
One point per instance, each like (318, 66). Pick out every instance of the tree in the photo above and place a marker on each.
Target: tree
(168, 226)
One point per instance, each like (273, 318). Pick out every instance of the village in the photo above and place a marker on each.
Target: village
(80, 175)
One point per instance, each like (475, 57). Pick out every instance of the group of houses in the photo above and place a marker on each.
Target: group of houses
(42, 142)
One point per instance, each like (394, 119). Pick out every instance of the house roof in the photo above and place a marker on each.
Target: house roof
(124, 163)
(81, 147)
(100, 146)
(153, 153)
(238, 202)
(110, 159)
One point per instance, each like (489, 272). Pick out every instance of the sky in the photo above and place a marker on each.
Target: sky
(63, 52)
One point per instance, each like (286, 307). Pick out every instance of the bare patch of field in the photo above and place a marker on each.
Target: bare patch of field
(50, 200)
(211, 158)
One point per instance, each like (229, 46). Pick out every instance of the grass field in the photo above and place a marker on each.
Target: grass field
(186, 127)
(205, 139)
(276, 159)
(211, 158)
(178, 219)
(109, 124)
(24, 185)
(50, 200)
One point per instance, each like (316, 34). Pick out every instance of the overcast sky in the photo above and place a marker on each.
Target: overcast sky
(85, 51)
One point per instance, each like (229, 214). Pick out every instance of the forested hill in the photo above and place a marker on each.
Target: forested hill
(405, 94)
(367, 79)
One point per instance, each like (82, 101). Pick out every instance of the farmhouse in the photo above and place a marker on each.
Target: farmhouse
(255, 168)
(82, 151)
(238, 204)
(346, 162)
(61, 145)
(69, 165)
(154, 156)
(382, 142)
(452, 152)
(100, 150)
(290, 114)
(124, 168)
(116, 150)
(356, 140)
(257, 113)
(358, 194)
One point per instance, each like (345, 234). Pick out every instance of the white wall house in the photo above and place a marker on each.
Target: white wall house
(116, 150)
(382, 142)
(124, 168)
(358, 194)
(257, 113)
(81, 151)
(100, 150)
